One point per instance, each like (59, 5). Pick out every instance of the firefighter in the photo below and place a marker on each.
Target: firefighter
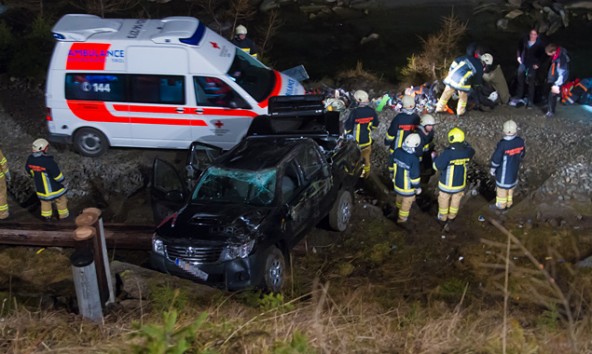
(360, 123)
(246, 44)
(465, 73)
(4, 179)
(505, 163)
(402, 125)
(452, 164)
(426, 149)
(558, 74)
(404, 166)
(48, 180)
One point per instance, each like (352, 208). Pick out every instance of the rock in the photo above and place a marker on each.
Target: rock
(513, 14)
(502, 23)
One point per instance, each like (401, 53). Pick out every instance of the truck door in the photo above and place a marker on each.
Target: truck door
(226, 114)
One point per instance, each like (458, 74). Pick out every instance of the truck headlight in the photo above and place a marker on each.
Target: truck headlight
(237, 251)
(157, 245)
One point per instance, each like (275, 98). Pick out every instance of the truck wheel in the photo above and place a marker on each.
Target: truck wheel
(274, 276)
(90, 142)
(341, 211)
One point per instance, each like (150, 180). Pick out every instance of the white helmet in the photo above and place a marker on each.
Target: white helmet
(510, 127)
(412, 141)
(361, 96)
(39, 145)
(487, 59)
(240, 29)
(427, 119)
(408, 102)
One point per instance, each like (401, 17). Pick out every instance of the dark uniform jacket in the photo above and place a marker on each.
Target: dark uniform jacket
(452, 164)
(404, 166)
(361, 121)
(506, 161)
(464, 72)
(401, 126)
(559, 69)
(47, 176)
(246, 45)
(531, 55)
(426, 140)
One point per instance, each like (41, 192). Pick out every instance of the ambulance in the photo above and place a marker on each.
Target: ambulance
(153, 83)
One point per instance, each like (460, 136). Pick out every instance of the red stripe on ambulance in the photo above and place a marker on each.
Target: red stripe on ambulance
(276, 90)
(87, 56)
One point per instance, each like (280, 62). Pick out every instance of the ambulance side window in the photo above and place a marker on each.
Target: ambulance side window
(212, 91)
(95, 87)
(157, 89)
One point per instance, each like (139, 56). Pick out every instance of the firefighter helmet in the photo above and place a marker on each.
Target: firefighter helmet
(456, 135)
(240, 29)
(39, 145)
(487, 59)
(510, 127)
(361, 96)
(408, 102)
(427, 119)
(412, 141)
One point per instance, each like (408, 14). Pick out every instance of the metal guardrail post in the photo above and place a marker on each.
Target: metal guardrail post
(84, 275)
(90, 218)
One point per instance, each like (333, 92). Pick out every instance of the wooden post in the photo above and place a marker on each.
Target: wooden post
(90, 220)
(103, 243)
(85, 277)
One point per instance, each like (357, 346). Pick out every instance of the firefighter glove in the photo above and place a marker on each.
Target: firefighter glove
(492, 171)
(418, 191)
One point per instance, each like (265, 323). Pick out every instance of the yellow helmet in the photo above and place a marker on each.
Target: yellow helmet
(39, 145)
(456, 135)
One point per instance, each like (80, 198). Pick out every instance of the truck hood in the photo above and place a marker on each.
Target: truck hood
(224, 222)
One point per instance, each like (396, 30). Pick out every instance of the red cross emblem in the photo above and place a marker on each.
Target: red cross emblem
(215, 45)
(218, 124)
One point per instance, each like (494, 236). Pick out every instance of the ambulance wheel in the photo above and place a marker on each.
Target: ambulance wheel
(341, 212)
(90, 142)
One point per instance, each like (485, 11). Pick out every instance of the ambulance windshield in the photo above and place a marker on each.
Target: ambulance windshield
(254, 77)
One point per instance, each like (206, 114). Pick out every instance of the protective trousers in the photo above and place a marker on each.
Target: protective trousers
(403, 203)
(61, 205)
(3, 198)
(448, 205)
(503, 198)
(461, 106)
(366, 153)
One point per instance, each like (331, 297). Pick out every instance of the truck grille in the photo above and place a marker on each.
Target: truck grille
(207, 254)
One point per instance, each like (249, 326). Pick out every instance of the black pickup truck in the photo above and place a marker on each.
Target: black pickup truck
(255, 202)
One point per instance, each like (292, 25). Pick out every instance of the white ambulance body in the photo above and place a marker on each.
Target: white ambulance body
(154, 84)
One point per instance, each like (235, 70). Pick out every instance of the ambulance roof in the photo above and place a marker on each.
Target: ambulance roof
(170, 30)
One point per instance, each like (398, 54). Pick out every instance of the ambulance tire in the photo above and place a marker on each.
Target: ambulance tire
(90, 142)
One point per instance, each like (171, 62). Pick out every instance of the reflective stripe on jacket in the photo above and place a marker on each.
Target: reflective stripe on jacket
(46, 175)
(404, 167)
(452, 165)
(3, 165)
(463, 73)
(506, 160)
(361, 121)
(401, 126)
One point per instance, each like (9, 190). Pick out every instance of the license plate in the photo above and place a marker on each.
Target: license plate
(190, 268)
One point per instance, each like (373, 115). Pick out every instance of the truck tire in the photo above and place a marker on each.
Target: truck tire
(274, 276)
(90, 142)
(341, 211)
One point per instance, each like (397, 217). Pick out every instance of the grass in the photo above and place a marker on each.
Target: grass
(379, 294)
